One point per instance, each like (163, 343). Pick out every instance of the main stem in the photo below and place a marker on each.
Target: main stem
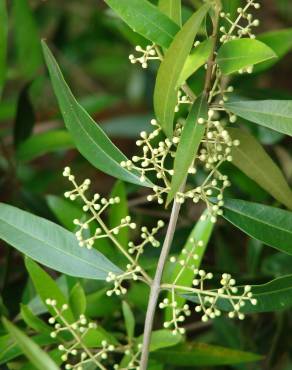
(155, 287)
(156, 283)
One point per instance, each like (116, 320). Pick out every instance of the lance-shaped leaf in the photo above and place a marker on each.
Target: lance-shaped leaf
(146, 19)
(280, 41)
(30, 349)
(27, 40)
(195, 60)
(188, 146)
(274, 114)
(51, 245)
(90, 139)
(251, 158)
(201, 354)
(270, 225)
(44, 143)
(165, 93)
(242, 53)
(273, 296)
(172, 8)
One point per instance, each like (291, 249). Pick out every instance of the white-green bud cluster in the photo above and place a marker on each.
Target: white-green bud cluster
(148, 237)
(178, 315)
(242, 26)
(132, 273)
(149, 53)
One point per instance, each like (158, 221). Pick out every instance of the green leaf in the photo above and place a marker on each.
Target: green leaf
(119, 211)
(65, 211)
(195, 60)
(9, 349)
(47, 288)
(165, 93)
(201, 232)
(77, 300)
(242, 53)
(27, 40)
(146, 19)
(162, 339)
(274, 114)
(251, 158)
(30, 349)
(200, 354)
(51, 245)
(90, 139)
(3, 43)
(171, 8)
(129, 320)
(188, 145)
(44, 143)
(280, 41)
(33, 321)
(25, 117)
(270, 225)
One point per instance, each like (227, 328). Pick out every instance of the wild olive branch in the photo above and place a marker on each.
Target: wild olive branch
(156, 283)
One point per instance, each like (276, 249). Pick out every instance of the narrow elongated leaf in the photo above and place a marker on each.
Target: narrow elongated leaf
(90, 139)
(280, 41)
(251, 158)
(274, 114)
(27, 40)
(171, 8)
(3, 42)
(30, 349)
(77, 300)
(162, 339)
(33, 321)
(270, 225)
(129, 320)
(10, 350)
(65, 211)
(196, 244)
(242, 53)
(188, 146)
(195, 60)
(47, 288)
(51, 245)
(165, 93)
(44, 143)
(200, 354)
(146, 19)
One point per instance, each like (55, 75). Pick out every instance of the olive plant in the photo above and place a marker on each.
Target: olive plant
(180, 158)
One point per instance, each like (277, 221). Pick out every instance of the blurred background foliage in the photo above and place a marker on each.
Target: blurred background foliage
(92, 46)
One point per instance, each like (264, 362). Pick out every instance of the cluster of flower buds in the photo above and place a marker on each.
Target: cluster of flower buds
(189, 257)
(208, 299)
(132, 273)
(182, 99)
(133, 362)
(153, 159)
(148, 237)
(178, 315)
(237, 29)
(149, 53)
(75, 349)
(95, 207)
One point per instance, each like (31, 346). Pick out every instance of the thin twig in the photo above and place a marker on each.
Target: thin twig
(155, 286)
